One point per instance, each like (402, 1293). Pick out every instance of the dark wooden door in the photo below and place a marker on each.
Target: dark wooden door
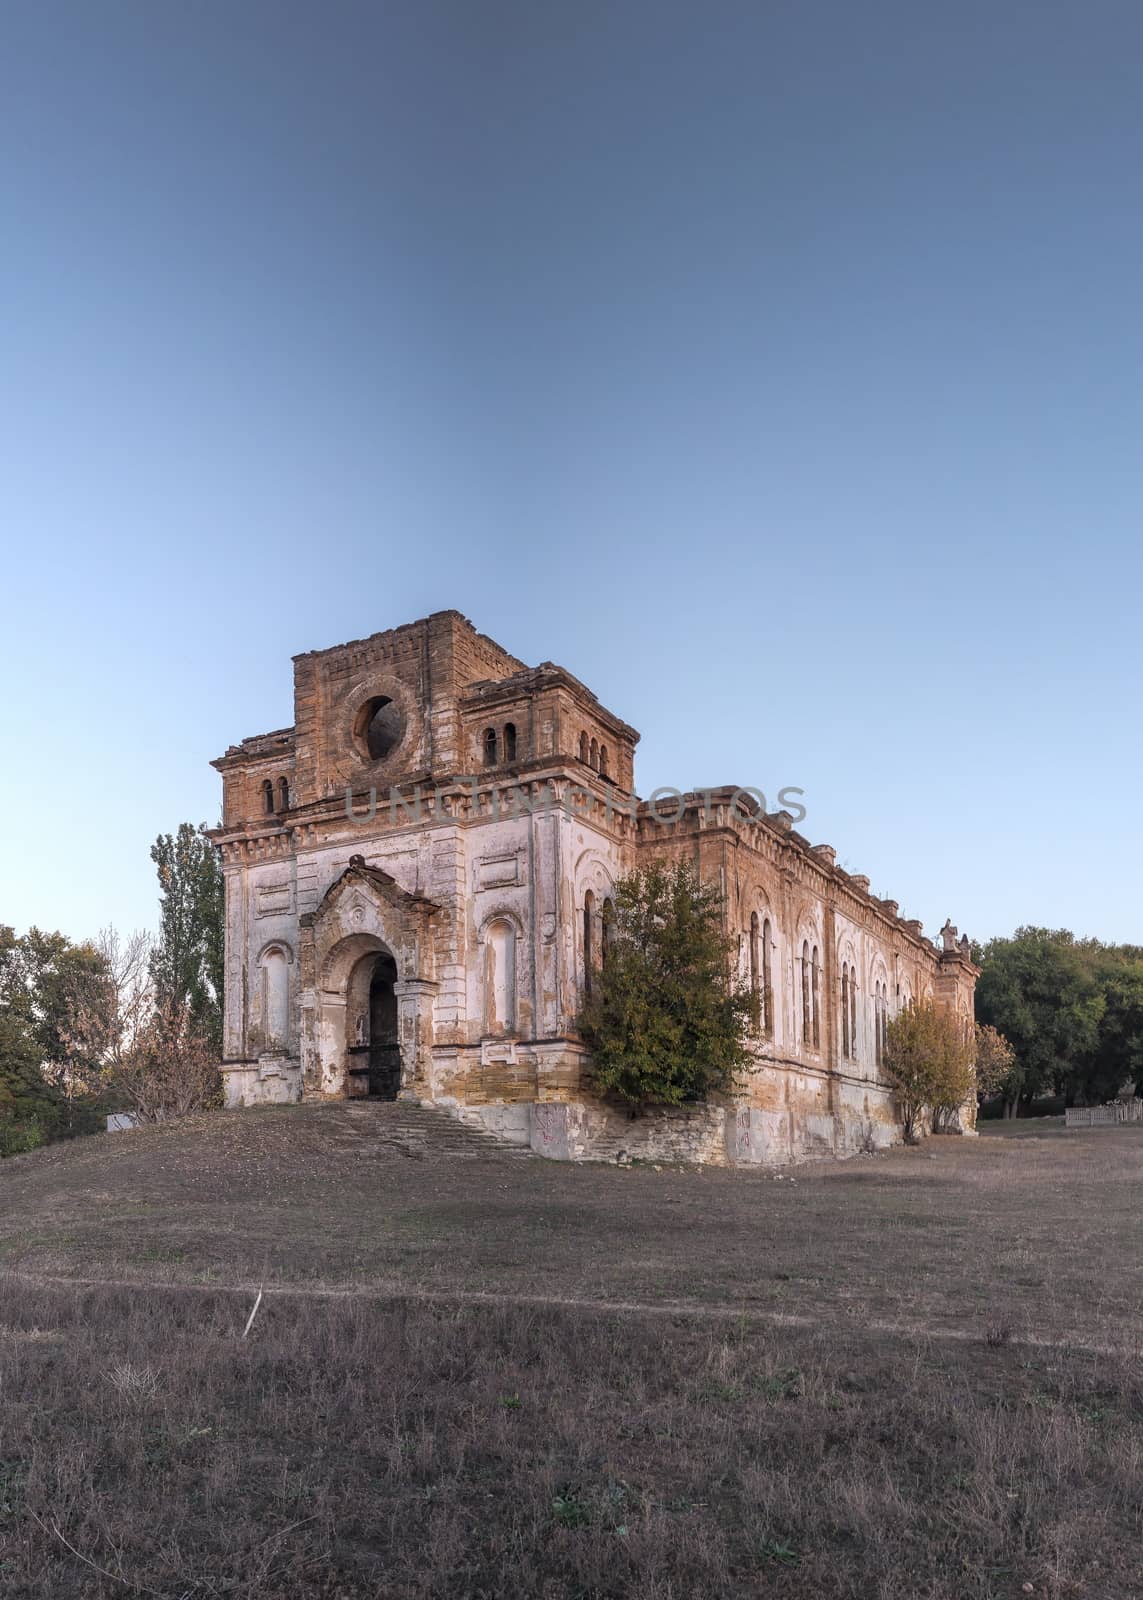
(384, 1048)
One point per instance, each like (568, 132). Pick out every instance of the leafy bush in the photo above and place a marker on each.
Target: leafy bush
(928, 1063)
(996, 1070)
(665, 1023)
(17, 1138)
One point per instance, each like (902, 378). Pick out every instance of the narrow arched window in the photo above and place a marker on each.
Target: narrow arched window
(603, 761)
(608, 926)
(845, 1010)
(816, 984)
(268, 797)
(806, 1026)
(500, 977)
(583, 748)
(488, 743)
(755, 980)
(593, 757)
(509, 741)
(283, 794)
(879, 1008)
(853, 1013)
(877, 1023)
(588, 952)
(767, 982)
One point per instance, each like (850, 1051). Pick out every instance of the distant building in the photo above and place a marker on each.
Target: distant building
(418, 880)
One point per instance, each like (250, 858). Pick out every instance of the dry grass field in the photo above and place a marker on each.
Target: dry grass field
(479, 1374)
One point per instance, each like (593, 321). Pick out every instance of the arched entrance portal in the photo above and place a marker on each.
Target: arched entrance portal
(380, 1060)
(367, 1021)
(373, 1051)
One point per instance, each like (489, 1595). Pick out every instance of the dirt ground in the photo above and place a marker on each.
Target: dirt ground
(475, 1373)
(1036, 1236)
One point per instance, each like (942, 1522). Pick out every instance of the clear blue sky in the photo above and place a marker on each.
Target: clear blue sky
(775, 367)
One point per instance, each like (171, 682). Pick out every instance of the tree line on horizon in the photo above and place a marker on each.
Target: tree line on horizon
(116, 1023)
(1072, 1011)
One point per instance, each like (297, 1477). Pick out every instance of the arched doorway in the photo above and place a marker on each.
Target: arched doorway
(374, 1059)
(366, 983)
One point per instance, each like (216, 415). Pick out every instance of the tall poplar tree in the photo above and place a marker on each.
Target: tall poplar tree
(186, 964)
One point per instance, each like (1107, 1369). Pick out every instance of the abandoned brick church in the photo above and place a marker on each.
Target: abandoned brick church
(418, 875)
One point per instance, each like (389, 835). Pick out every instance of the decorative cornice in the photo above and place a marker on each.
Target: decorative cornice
(734, 812)
(492, 692)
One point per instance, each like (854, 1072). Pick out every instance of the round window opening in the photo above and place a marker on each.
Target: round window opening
(379, 726)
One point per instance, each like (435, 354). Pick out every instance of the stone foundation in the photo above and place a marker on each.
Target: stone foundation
(706, 1135)
(270, 1080)
(735, 1135)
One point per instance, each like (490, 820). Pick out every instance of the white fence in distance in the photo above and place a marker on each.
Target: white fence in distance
(1103, 1116)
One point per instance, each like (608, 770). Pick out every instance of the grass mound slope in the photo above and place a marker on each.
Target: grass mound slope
(478, 1375)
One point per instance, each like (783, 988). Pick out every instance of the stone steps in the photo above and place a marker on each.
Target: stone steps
(421, 1131)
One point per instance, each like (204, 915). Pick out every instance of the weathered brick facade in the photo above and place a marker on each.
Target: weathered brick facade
(417, 872)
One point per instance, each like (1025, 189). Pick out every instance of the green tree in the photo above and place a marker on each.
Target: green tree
(1040, 989)
(51, 966)
(1117, 1058)
(664, 1020)
(26, 1099)
(37, 1090)
(186, 964)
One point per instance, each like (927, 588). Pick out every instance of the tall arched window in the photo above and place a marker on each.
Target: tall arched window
(767, 982)
(845, 1010)
(588, 929)
(275, 998)
(283, 794)
(755, 975)
(488, 743)
(880, 1020)
(806, 1023)
(608, 926)
(500, 977)
(603, 761)
(816, 986)
(876, 1021)
(509, 741)
(853, 1013)
(873, 1007)
(593, 756)
(583, 748)
(268, 797)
